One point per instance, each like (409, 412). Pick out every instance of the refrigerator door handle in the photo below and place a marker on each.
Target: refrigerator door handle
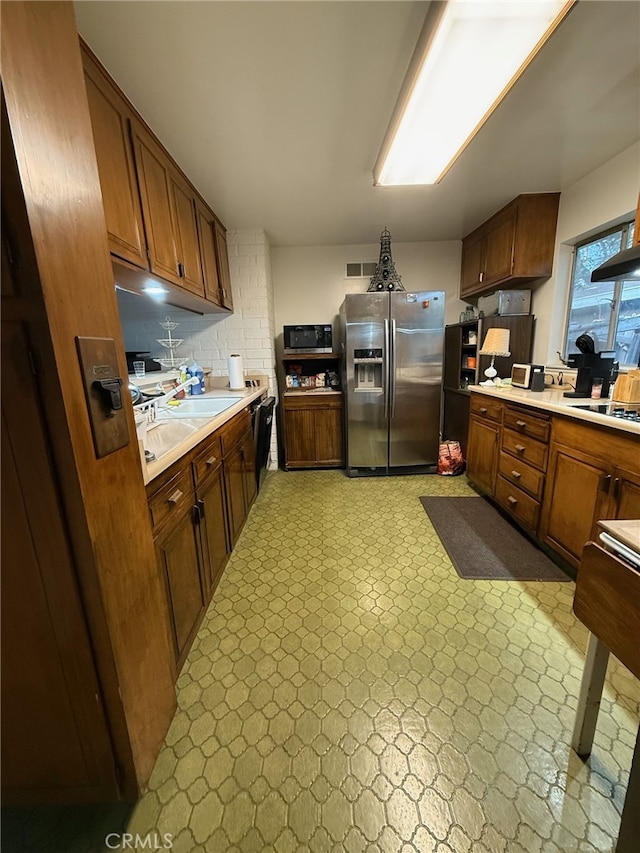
(386, 371)
(392, 368)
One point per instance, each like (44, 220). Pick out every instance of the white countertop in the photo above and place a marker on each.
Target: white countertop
(181, 436)
(554, 401)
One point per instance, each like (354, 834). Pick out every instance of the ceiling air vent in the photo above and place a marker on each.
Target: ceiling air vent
(361, 269)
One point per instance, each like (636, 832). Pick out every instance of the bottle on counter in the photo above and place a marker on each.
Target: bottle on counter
(194, 369)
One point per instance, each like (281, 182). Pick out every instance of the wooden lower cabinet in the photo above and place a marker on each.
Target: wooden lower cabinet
(482, 453)
(314, 431)
(213, 528)
(198, 508)
(240, 482)
(585, 484)
(576, 498)
(178, 552)
(625, 494)
(555, 476)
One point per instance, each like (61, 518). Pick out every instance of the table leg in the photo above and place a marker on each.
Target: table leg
(630, 822)
(595, 669)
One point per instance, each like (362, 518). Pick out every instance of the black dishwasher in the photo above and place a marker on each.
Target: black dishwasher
(262, 415)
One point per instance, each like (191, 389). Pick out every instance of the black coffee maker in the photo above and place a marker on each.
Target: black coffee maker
(591, 365)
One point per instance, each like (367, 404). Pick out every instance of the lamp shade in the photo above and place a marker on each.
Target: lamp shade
(496, 342)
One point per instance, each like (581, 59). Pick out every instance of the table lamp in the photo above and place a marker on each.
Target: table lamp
(496, 342)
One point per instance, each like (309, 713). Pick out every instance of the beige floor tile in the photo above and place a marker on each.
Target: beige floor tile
(348, 692)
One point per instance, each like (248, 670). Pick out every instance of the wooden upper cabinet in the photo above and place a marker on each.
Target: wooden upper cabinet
(514, 247)
(224, 274)
(206, 233)
(186, 235)
(500, 244)
(473, 252)
(154, 176)
(110, 123)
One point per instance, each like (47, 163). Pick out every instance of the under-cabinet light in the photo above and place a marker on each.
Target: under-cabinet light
(469, 54)
(155, 290)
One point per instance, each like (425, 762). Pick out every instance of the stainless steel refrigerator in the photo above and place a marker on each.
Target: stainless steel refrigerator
(392, 374)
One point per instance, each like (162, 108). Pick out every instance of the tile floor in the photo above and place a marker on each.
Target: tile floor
(348, 692)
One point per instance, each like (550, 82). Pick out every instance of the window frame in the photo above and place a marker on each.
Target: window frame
(626, 228)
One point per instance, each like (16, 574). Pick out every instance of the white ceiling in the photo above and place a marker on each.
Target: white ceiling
(277, 110)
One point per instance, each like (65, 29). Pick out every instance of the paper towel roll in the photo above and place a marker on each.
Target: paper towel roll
(236, 373)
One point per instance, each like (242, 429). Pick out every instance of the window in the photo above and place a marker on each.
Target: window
(609, 311)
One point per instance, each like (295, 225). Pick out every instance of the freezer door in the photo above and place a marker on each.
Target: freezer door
(366, 329)
(416, 336)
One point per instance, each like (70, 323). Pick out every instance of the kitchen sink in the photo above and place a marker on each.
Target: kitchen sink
(163, 436)
(200, 407)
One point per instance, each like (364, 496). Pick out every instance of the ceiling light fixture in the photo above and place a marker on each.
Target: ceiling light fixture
(468, 56)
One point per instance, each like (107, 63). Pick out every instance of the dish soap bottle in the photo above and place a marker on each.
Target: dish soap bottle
(194, 369)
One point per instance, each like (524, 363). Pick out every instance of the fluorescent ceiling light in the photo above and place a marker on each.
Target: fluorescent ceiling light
(469, 54)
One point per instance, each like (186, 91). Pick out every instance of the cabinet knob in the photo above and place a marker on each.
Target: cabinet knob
(513, 501)
(211, 461)
(175, 497)
(520, 424)
(483, 411)
(520, 448)
(516, 475)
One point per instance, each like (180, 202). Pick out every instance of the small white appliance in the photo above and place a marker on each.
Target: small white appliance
(522, 374)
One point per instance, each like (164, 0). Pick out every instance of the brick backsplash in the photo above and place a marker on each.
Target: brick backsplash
(249, 331)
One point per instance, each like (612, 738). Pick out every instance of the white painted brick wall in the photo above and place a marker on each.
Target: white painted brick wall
(212, 338)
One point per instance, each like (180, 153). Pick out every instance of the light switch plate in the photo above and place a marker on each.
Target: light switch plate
(98, 361)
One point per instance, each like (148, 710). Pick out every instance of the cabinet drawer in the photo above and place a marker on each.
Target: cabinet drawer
(485, 407)
(517, 503)
(207, 460)
(527, 424)
(231, 433)
(525, 448)
(171, 498)
(522, 475)
(312, 401)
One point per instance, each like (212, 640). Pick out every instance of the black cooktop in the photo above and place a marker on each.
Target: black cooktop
(627, 412)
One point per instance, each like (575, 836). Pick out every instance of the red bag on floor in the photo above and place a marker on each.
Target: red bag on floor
(450, 459)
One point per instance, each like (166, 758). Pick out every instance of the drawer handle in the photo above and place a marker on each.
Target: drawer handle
(513, 501)
(521, 424)
(175, 497)
(520, 448)
(211, 461)
(516, 475)
(483, 411)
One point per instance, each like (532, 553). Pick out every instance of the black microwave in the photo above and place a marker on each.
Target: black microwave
(302, 339)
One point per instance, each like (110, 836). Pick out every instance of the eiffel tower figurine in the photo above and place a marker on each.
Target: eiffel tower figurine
(385, 276)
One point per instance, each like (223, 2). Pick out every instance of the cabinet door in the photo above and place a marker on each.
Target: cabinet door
(625, 494)
(248, 454)
(177, 552)
(235, 492)
(499, 249)
(154, 179)
(213, 535)
(329, 436)
(206, 236)
(114, 154)
(300, 445)
(186, 235)
(482, 454)
(224, 274)
(576, 496)
(473, 249)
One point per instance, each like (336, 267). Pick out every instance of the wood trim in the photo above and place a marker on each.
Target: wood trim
(50, 124)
